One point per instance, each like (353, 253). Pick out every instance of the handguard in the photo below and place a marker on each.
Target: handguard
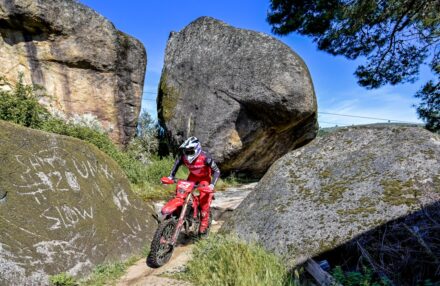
(167, 181)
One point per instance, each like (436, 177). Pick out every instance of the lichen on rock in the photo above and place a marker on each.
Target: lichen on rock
(341, 186)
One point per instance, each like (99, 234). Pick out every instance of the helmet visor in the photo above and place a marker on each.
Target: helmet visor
(189, 151)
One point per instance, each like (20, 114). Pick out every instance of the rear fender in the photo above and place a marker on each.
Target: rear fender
(172, 206)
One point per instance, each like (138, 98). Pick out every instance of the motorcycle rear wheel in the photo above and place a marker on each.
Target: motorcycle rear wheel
(160, 253)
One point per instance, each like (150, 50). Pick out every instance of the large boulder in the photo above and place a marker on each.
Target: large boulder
(344, 185)
(64, 206)
(248, 97)
(84, 63)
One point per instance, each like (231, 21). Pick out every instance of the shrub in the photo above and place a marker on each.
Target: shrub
(356, 278)
(225, 260)
(134, 170)
(150, 188)
(62, 279)
(20, 105)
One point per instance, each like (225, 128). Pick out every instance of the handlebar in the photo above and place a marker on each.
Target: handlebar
(168, 181)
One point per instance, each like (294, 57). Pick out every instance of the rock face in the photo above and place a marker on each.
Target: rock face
(82, 61)
(248, 97)
(339, 187)
(64, 206)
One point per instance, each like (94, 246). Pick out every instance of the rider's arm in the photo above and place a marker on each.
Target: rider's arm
(216, 171)
(176, 166)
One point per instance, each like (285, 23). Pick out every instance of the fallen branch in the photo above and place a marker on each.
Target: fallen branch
(322, 277)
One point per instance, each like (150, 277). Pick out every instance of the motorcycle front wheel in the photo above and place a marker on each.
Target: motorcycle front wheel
(161, 251)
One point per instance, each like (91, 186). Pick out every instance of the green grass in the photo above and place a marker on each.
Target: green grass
(151, 188)
(233, 181)
(105, 274)
(226, 260)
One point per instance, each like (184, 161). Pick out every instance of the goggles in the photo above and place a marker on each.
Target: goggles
(189, 151)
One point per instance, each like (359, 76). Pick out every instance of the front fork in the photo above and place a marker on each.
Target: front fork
(179, 225)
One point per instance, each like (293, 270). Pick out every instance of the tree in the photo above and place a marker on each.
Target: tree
(146, 143)
(395, 36)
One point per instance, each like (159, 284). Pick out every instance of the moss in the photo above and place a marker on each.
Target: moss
(169, 98)
(331, 193)
(325, 174)
(397, 193)
(282, 209)
(429, 154)
(366, 202)
(357, 211)
(326, 245)
(293, 248)
(305, 193)
(437, 183)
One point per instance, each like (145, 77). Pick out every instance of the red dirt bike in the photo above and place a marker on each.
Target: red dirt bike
(180, 214)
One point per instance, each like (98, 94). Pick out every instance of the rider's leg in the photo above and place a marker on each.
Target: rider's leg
(205, 204)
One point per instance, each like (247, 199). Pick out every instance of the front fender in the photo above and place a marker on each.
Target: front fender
(171, 206)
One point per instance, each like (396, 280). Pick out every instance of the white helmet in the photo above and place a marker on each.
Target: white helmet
(191, 148)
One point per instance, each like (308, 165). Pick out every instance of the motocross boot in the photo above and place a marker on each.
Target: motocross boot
(204, 224)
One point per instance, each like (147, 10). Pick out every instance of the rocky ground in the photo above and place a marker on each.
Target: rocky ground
(141, 274)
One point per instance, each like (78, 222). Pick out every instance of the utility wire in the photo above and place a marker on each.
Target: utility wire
(366, 117)
(335, 123)
(325, 113)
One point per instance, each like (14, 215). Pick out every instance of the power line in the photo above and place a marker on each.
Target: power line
(366, 117)
(326, 113)
(334, 123)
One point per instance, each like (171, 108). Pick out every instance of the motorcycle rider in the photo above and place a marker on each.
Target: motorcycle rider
(201, 166)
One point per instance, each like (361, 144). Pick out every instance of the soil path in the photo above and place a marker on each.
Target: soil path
(141, 274)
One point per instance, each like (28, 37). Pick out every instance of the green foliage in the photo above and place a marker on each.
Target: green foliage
(134, 169)
(225, 260)
(429, 109)
(20, 105)
(62, 279)
(146, 143)
(147, 132)
(395, 36)
(151, 189)
(354, 278)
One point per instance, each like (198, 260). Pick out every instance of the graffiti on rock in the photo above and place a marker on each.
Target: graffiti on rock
(42, 173)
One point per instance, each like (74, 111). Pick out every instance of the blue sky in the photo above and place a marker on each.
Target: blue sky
(151, 21)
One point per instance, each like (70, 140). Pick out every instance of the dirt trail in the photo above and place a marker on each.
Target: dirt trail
(141, 274)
